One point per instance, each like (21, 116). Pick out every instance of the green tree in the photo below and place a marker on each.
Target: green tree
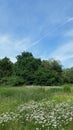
(6, 67)
(26, 66)
(68, 75)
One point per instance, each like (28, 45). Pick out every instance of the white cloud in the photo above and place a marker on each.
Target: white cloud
(11, 47)
(64, 52)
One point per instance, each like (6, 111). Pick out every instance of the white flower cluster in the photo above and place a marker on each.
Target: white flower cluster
(7, 117)
(45, 115)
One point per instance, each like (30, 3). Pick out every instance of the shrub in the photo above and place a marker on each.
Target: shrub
(14, 81)
(66, 88)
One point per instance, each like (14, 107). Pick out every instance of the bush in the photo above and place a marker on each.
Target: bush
(14, 81)
(4, 81)
(66, 88)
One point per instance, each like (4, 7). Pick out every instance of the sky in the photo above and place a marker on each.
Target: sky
(42, 27)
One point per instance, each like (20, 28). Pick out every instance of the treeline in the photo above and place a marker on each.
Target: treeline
(28, 70)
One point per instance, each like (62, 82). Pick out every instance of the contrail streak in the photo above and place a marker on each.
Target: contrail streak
(37, 41)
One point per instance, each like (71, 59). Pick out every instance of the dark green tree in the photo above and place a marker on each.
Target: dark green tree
(26, 66)
(6, 67)
(68, 75)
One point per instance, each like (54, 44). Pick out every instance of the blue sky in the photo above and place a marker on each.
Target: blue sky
(43, 27)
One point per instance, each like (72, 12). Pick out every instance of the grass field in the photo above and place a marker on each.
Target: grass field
(36, 108)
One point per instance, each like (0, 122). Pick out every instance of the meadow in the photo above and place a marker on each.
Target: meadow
(36, 108)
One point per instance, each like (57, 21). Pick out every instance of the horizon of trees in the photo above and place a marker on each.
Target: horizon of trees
(28, 70)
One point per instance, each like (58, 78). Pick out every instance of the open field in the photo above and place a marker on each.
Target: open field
(36, 108)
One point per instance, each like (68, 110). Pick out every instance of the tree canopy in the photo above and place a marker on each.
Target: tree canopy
(33, 71)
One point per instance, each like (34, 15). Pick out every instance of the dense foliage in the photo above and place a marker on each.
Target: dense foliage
(32, 71)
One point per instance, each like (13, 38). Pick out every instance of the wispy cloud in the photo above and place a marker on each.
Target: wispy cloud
(64, 52)
(11, 47)
(68, 33)
(69, 19)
